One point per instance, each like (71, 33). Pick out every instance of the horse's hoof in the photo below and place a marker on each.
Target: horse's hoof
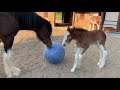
(10, 76)
(8, 73)
(16, 71)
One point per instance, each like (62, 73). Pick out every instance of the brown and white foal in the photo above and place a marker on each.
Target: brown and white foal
(83, 40)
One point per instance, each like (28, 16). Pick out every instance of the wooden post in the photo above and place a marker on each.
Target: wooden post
(73, 20)
(102, 20)
(118, 23)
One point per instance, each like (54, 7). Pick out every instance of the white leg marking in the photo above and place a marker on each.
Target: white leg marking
(104, 52)
(101, 57)
(77, 61)
(1, 43)
(10, 69)
(65, 38)
(16, 71)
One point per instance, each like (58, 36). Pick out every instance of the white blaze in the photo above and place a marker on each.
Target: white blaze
(65, 37)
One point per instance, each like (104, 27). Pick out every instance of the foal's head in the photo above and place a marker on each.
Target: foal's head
(69, 36)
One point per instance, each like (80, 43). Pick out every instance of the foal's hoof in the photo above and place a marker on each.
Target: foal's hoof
(16, 71)
(72, 70)
(9, 75)
(98, 63)
(101, 66)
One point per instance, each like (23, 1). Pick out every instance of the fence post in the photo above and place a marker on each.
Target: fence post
(102, 20)
(118, 23)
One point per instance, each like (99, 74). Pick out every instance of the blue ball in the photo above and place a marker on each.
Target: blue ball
(55, 54)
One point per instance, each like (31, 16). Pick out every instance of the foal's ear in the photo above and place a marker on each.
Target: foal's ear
(70, 29)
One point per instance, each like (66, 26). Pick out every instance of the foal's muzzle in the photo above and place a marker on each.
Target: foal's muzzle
(64, 45)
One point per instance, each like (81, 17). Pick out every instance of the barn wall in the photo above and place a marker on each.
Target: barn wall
(81, 19)
(50, 16)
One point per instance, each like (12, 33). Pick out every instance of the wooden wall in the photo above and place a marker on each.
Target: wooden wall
(50, 16)
(81, 19)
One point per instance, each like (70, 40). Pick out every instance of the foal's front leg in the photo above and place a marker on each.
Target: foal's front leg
(78, 56)
(77, 61)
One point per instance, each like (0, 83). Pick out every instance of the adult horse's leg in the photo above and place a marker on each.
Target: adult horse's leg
(1, 43)
(78, 56)
(10, 69)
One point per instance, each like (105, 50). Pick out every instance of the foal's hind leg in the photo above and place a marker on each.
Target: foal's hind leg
(104, 52)
(10, 69)
(103, 55)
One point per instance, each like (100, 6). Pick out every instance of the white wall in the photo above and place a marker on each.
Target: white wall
(111, 16)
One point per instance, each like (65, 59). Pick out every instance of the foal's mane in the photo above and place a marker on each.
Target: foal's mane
(80, 30)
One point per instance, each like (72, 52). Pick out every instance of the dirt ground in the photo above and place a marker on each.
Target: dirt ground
(28, 56)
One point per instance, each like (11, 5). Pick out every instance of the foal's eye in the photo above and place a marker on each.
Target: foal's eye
(68, 36)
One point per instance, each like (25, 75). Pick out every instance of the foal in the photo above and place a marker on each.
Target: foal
(10, 24)
(84, 39)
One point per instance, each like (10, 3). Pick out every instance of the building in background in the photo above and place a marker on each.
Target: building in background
(111, 19)
(77, 19)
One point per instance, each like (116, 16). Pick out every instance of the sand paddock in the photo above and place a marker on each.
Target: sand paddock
(28, 56)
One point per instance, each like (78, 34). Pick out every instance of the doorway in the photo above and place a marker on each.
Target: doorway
(63, 18)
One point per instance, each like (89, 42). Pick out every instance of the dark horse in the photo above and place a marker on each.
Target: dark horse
(10, 24)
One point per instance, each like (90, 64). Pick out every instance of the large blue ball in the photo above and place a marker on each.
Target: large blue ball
(55, 54)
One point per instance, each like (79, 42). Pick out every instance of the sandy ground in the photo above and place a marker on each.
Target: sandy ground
(28, 56)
